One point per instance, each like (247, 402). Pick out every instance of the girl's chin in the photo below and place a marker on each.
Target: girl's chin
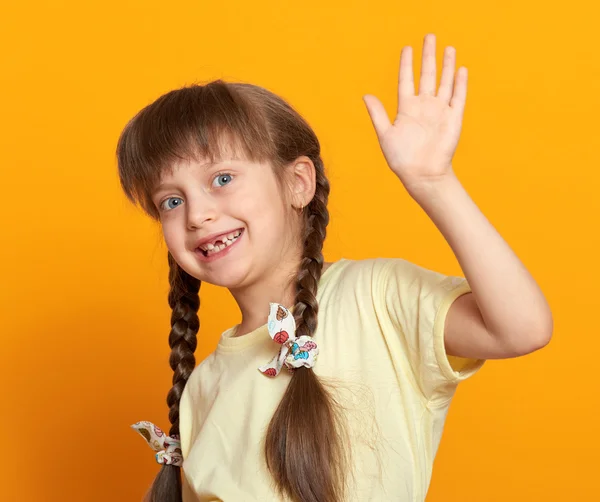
(230, 277)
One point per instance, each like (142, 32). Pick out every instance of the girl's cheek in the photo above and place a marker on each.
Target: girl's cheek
(169, 234)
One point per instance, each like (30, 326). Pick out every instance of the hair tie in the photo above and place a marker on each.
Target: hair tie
(294, 352)
(168, 448)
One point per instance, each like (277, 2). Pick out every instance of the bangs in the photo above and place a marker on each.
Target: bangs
(198, 123)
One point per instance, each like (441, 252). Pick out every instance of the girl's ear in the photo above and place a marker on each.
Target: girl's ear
(302, 181)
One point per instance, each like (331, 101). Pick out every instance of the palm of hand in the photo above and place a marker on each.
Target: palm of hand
(420, 144)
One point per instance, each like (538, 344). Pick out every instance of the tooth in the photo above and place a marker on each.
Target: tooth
(209, 247)
(230, 236)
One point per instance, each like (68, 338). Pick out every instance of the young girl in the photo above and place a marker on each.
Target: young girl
(372, 349)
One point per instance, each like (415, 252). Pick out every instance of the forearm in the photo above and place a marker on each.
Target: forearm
(509, 299)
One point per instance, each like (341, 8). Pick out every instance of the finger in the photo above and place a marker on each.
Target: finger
(459, 97)
(378, 115)
(447, 79)
(428, 75)
(406, 79)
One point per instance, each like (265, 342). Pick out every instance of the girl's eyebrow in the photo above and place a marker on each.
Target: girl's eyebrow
(163, 186)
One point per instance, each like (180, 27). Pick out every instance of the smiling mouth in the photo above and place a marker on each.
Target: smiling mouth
(221, 243)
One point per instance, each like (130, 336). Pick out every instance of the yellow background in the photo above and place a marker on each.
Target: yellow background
(84, 315)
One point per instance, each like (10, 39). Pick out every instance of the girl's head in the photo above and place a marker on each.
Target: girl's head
(221, 159)
(235, 159)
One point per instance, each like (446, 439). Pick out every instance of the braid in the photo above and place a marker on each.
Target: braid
(311, 267)
(305, 433)
(184, 302)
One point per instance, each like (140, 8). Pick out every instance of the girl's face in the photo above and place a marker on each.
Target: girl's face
(227, 224)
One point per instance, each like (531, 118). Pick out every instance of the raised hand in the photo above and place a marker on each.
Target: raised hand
(420, 144)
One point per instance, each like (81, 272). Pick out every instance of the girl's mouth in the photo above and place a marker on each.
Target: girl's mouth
(220, 247)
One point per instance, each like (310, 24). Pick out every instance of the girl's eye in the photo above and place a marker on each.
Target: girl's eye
(221, 180)
(165, 203)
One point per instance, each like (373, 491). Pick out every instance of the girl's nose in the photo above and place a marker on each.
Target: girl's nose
(201, 212)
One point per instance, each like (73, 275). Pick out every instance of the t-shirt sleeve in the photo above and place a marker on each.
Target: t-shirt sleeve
(416, 301)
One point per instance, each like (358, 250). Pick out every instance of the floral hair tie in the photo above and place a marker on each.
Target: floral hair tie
(294, 352)
(168, 448)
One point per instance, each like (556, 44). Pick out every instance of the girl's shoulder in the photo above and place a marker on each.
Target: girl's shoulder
(350, 270)
(196, 384)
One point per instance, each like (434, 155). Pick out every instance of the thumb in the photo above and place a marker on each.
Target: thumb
(378, 115)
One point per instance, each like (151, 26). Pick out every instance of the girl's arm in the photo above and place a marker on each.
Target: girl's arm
(506, 314)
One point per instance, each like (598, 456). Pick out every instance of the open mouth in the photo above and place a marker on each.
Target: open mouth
(219, 244)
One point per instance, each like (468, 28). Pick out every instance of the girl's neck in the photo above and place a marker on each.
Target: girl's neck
(254, 303)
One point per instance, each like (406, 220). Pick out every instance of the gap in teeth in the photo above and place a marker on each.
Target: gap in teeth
(228, 240)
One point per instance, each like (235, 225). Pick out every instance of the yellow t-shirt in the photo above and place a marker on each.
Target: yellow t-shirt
(381, 341)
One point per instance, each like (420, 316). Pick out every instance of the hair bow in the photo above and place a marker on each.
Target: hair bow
(294, 352)
(168, 448)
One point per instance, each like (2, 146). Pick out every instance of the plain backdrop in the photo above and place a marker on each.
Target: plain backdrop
(83, 274)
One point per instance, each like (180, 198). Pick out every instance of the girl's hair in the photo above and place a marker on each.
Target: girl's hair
(304, 441)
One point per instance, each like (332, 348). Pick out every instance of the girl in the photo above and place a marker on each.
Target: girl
(374, 349)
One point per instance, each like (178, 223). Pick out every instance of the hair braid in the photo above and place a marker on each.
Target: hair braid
(184, 302)
(304, 435)
(315, 229)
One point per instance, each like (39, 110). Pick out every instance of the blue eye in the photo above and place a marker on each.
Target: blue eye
(164, 203)
(222, 179)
